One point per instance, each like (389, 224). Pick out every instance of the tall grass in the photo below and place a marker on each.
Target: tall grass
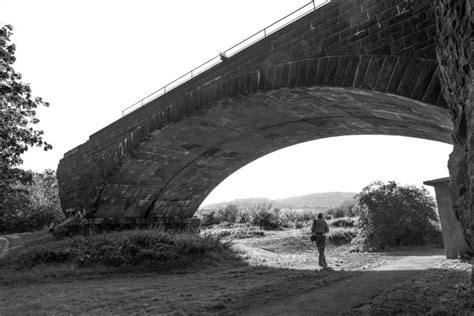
(127, 248)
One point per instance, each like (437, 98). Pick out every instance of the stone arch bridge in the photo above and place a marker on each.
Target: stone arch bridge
(350, 67)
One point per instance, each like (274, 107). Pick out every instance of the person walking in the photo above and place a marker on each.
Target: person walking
(319, 229)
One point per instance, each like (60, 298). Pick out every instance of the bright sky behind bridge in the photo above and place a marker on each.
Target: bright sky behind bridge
(91, 59)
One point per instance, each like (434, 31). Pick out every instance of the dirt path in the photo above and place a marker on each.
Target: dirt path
(338, 297)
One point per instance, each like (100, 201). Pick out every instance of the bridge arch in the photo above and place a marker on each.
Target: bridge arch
(345, 69)
(176, 167)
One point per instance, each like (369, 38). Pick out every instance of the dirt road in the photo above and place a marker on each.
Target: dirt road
(338, 297)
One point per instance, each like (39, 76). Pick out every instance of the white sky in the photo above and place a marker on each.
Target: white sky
(90, 59)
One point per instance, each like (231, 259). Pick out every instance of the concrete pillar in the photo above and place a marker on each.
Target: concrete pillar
(453, 237)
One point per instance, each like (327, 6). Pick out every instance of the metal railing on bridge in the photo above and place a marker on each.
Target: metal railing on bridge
(252, 39)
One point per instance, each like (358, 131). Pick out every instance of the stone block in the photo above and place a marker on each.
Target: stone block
(269, 78)
(276, 77)
(340, 70)
(433, 90)
(373, 71)
(321, 70)
(351, 70)
(386, 73)
(302, 72)
(397, 75)
(311, 72)
(410, 77)
(330, 71)
(428, 67)
(361, 71)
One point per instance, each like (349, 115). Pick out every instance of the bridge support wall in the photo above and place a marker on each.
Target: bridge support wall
(453, 237)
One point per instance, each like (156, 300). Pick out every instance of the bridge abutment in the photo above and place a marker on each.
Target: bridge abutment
(455, 245)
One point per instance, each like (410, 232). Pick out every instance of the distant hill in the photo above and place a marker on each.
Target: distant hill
(309, 201)
(244, 204)
(315, 200)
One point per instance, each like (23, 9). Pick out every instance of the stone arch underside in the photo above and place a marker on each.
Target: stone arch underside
(176, 167)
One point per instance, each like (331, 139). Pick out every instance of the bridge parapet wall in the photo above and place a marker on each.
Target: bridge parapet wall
(375, 45)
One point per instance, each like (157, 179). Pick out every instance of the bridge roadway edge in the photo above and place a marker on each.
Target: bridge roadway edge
(352, 44)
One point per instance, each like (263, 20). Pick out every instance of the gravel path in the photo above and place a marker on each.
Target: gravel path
(338, 297)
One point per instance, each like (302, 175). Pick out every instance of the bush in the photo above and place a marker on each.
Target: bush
(336, 212)
(209, 218)
(341, 237)
(349, 208)
(268, 219)
(229, 214)
(343, 222)
(297, 218)
(393, 215)
(126, 248)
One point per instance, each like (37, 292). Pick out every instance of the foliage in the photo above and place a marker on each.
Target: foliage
(209, 218)
(343, 222)
(41, 205)
(336, 212)
(341, 236)
(349, 208)
(127, 248)
(17, 115)
(268, 219)
(229, 214)
(262, 215)
(394, 215)
(238, 231)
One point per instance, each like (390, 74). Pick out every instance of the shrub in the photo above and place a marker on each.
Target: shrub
(343, 222)
(394, 215)
(268, 219)
(350, 207)
(209, 218)
(336, 212)
(341, 237)
(229, 214)
(126, 248)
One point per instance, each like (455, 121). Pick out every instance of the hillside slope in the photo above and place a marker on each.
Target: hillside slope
(308, 201)
(315, 200)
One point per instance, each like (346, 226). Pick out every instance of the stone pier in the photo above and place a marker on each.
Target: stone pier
(453, 237)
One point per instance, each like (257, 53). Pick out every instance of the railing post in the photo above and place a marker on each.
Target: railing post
(314, 5)
(264, 32)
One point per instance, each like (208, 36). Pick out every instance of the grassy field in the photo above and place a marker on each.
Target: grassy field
(229, 269)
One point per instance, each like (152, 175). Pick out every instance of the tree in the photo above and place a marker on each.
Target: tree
(17, 117)
(41, 207)
(394, 215)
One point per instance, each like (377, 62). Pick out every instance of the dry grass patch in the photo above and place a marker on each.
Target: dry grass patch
(442, 291)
